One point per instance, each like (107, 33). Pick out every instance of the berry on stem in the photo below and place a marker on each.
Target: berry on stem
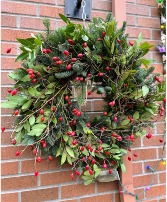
(8, 50)
(3, 129)
(36, 173)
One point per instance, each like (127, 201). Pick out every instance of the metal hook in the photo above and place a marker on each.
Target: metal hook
(79, 4)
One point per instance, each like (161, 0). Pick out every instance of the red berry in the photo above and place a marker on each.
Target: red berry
(105, 113)
(135, 155)
(77, 79)
(41, 111)
(35, 152)
(30, 72)
(161, 113)
(112, 103)
(129, 149)
(50, 158)
(9, 91)
(104, 165)
(113, 162)
(79, 113)
(110, 171)
(107, 68)
(74, 142)
(80, 55)
(82, 148)
(132, 136)
(115, 119)
(100, 74)
(3, 129)
(90, 93)
(48, 50)
(66, 52)
(54, 109)
(118, 40)
(121, 192)
(161, 140)
(146, 104)
(119, 138)
(60, 62)
(72, 176)
(85, 45)
(129, 158)
(99, 39)
(164, 99)
(107, 153)
(125, 85)
(131, 43)
(44, 50)
(60, 119)
(38, 159)
(55, 59)
(100, 148)
(16, 112)
(34, 81)
(69, 104)
(36, 173)
(44, 145)
(66, 97)
(157, 79)
(8, 50)
(161, 108)
(88, 125)
(91, 149)
(87, 167)
(14, 92)
(90, 172)
(18, 153)
(74, 59)
(68, 67)
(114, 135)
(32, 76)
(102, 128)
(93, 161)
(13, 141)
(81, 79)
(89, 75)
(148, 135)
(70, 41)
(77, 172)
(43, 119)
(103, 34)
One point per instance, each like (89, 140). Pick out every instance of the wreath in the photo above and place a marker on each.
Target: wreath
(60, 70)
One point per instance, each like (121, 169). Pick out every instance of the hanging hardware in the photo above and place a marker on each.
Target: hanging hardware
(78, 9)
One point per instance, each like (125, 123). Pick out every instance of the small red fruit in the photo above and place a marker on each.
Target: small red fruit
(14, 92)
(77, 172)
(77, 78)
(112, 103)
(66, 97)
(60, 119)
(99, 39)
(16, 112)
(8, 50)
(32, 76)
(3, 129)
(110, 171)
(107, 68)
(118, 40)
(119, 138)
(135, 155)
(30, 71)
(80, 55)
(103, 128)
(104, 165)
(69, 104)
(132, 136)
(55, 59)
(161, 140)
(129, 158)
(18, 153)
(100, 74)
(129, 149)
(36, 173)
(121, 192)
(82, 148)
(72, 176)
(44, 145)
(81, 79)
(50, 158)
(48, 50)
(35, 152)
(90, 172)
(68, 67)
(13, 141)
(115, 119)
(43, 119)
(70, 41)
(41, 111)
(157, 79)
(79, 113)
(100, 148)
(85, 45)
(44, 51)
(89, 75)
(105, 113)
(148, 135)
(34, 81)
(164, 99)
(88, 125)
(38, 159)
(74, 142)
(114, 135)
(90, 93)
(107, 153)
(131, 43)
(54, 109)
(66, 52)
(9, 91)
(74, 59)
(103, 34)
(87, 167)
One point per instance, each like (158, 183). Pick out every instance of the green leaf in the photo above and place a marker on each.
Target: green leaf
(37, 130)
(97, 172)
(32, 120)
(58, 152)
(87, 182)
(140, 38)
(105, 145)
(70, 151)
(136, 115)
(69, 159)
(33, 92)
(26, 105)
(25, 78)
(149, 110)
(64, 18)
(123, 168)
(100, 90)
(63, 158)
(125, 122)
(145, 90)
(8, 104)
(51, 85)
(27, 126)
(54, 120)
(65, 137)
(18, 137)
(22, 56)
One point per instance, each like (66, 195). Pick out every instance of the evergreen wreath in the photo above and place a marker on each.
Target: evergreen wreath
(60, 69)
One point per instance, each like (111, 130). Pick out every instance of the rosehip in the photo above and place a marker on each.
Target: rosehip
(36, 173)
(100, 74)
(129, 149)
(79, 113)
(105, 113)
(72, 176)
(44, 50)
(66, 52)
(9, 91)
(118, 40)
(89, 75)
(112, 103)
(13, 141)
(8, 50)
(35, 152)
(77, 172)
(74, 142)
(48, 50)
(66, 97)
(80, 55)
(70, 41)
(91, 149)
(69, 67)
(16, 112)
(60, 119)
(87, 167)
(34, 81)
(82, 148)
(54, 109)
(55, 58)
(44, 145)
(100, 148)
(14, 92)
(85, 45)
(135, 155)
(115, 119)
(132, 136)
(107, 153)
(131, 43)
(148, 135)
(90, 172)
(77, 79)
(104, 165)
(129, 158)
(110, 171)
(69, 103)
(43, 119)
(30, 72)
(81, 79)
(164, 99)
(103, 34)
(32, 76)
(3, 129)
(74, 59)
(161, 140)
(90, 93)
(157, 79)
(114, 135)
(93, 162)
(119, 138)
(88, 125)
(107, 68)
(18, 153)
(102, 128)
(38, 159)
(99, 39)
(50, 158)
